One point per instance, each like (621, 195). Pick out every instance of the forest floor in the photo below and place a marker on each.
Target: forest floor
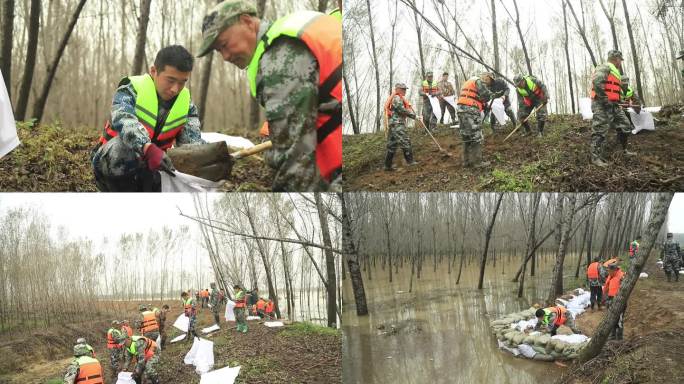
(651, 351)
(53, 158)
(296, 353)
(557, 162)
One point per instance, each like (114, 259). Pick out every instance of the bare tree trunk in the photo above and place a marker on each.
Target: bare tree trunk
(331, 285)
(375, 67)
(322, 5)
(582, 34)
(566, 226)
(534, 207)
(350, 107)
(516, 20)
(6, 45)
(420, 41)
(204, 87)
(25, 90)
(495, 37)
(635, 56)
(488, 235)
(39, 107)
(352, 257)
(598, 339)
(611, 22)
(567, 59)
(142, 37)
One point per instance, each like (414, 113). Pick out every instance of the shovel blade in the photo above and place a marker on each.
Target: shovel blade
(210, 161)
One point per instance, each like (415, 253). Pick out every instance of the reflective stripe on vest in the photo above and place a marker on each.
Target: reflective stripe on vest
(111, 340)
(149, 323)
(336, 13)
(469, 95)
(593, 270)
(322, 34)
(532, 87)
(629, 94)
(150, 347)
(560, 315)
(429, 88)
(388, 104)
(187, 307)
(612, 85)
(89, 371)
(146, 109)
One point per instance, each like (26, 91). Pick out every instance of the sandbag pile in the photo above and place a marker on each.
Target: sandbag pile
(511, 336)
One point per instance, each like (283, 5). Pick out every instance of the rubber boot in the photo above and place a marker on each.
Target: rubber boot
(540, 128)
(388, 161)
(526, 129)
(668, 276)
(618, 334)
(477, 156)
(623, 138)
(408, 156)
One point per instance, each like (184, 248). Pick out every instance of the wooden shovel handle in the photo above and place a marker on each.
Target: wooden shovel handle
(252, 151)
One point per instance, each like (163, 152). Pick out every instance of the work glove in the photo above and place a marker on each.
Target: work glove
(157, 159)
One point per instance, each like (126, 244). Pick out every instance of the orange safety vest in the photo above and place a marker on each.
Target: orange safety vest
(560, 312)
(322, 34)
(469, 95)
(269, 307)
(260, 305)
(612, 86)
(128, 329)
(111, 343)
(613, 282)
(89, 371)
(149, 323)
(150, 347)
(388, 104)
(593, 270)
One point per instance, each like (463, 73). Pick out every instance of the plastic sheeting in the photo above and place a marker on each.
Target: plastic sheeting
(571, 339)
(230, 315)
(182, 323)
(125, 378)
(585, 108)
(225, 375)
(187, 183)
(232, 141)
(499, 111)
(213, 328)
(274, 324)
(201, 355)
(253, 318)
(8, 129)
(179, 338)
(642, 121)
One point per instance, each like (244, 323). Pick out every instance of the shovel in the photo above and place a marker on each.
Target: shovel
(520, 124)
(211, 161)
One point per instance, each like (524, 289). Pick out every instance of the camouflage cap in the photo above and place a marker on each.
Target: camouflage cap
(221, 17)
(81, 350)
(428, 73)
(115, 322)
(142, 307)
(615, 53)
(681, 55)
(400, 86)
(613, 266)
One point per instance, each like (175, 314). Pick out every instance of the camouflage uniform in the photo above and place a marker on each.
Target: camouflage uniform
(607, 114)
(500, 87)
(118, 165)
(192, 319)
(470, 126)
(446, 89)
(398, 136)
(147, 368)
(670, 254)
(73, 368)
(524, 110)
(115, 354)
(215, 304)
(287, 87)
(162, 327)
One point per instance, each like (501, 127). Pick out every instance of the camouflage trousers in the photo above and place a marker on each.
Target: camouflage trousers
(150, 371)
(152, 335)
(118, 169)
(671, 267)
(524, 111)
(215, 311)
(470, 125)
(115, 359)
(398, 138)
(162, 334)
(429, 118)
(191, 326)
(606, 115)
(240, 319)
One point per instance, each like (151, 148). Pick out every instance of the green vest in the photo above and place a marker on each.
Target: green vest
(614, 70)
(530, 85)
(147, 105)
(336, 13)
(291, 26)
(629, 93)
(133, 349)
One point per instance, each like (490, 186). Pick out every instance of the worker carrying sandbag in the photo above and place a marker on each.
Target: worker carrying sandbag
(553, 317)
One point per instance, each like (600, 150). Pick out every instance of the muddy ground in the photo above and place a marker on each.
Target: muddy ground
(557, 162)
(53, 158)
(297, 353)
(653, 347)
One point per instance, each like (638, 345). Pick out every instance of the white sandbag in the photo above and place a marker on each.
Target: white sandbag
(187, 183)
(125, 378)
(503, 346)
(652, 109)
(229, 314)
(643, 275)
(585, 108)
(253, 318)
(232, 141)
(274, 324)
(436, 109)
(681, 272)
(179, 338)
(8, 129)
(204, 357)
(499, 111)
(189, 358)
(213, 328)
(225, 375)
(527, 351)
(571, 339)
(525, 324)
(182, 323)
(642, 121)
(448, 119)
(159, 342)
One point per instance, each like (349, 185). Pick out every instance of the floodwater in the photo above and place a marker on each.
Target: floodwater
(442, 329)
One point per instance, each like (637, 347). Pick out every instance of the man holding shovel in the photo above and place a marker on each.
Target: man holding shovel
(294, 69)
(397, 109)
(150, 114)
(532, 94)
(475, 93)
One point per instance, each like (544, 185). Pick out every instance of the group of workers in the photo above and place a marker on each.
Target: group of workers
(294, 70)
(610, 95)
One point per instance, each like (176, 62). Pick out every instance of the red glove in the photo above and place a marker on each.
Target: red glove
(153, 157)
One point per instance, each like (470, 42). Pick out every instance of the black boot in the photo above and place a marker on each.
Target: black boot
(618, 334)
(388, 161)
(511, 116)
(408, 156)
(526, 129)
(540, 127)
(623, 138)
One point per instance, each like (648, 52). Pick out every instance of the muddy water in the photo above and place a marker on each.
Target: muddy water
(439, 333)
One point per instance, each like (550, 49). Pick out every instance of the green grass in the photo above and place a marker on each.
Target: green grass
(302, 329)
(55, 380)
(257, 367)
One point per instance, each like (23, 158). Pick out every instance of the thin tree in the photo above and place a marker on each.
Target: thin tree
(6, 44)
(375, 67)
(516, 21)
(635, 56)
(567, 58)
(39, 106)
(583, 34)
(611, 21)
(32, 47)
(495, 37)
(565, 227)
(142, 37)
(488, 235)
(655, 222)
(534, 207)
(352, 258)
(331, 283)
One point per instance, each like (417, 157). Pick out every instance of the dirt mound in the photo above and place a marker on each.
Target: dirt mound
(53, 158)
(559, 161)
